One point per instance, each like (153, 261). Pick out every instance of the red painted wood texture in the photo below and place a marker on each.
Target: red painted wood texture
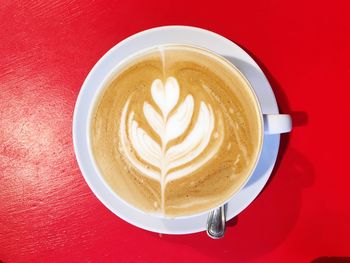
(47, 211)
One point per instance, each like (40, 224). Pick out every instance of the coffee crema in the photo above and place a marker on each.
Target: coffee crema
(175, 131)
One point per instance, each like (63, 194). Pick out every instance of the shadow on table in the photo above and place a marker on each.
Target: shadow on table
(272, 216)
(331, 260)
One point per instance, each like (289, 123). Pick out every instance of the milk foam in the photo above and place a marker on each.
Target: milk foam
(158, 161)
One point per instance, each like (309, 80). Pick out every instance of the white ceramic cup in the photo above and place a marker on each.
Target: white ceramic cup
(271, 123)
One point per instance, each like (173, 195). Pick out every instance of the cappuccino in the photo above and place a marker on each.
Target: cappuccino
(176, 130)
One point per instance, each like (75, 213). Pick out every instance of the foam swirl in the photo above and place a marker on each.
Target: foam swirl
(165, 162)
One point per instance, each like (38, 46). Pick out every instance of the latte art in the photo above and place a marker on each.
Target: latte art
(175, 131)
(161, 161)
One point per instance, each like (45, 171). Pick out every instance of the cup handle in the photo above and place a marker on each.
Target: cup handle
(277, 123)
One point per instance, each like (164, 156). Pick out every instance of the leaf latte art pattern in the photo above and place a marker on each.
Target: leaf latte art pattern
(158, 158)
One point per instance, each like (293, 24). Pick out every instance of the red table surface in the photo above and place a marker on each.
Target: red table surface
(49, 214)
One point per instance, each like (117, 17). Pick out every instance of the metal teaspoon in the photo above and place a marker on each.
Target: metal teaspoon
(216, 222)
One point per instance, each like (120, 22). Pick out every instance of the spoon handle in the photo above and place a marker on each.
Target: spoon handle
(216, 222)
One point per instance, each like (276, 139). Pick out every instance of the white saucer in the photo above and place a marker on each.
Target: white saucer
(158, 36)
